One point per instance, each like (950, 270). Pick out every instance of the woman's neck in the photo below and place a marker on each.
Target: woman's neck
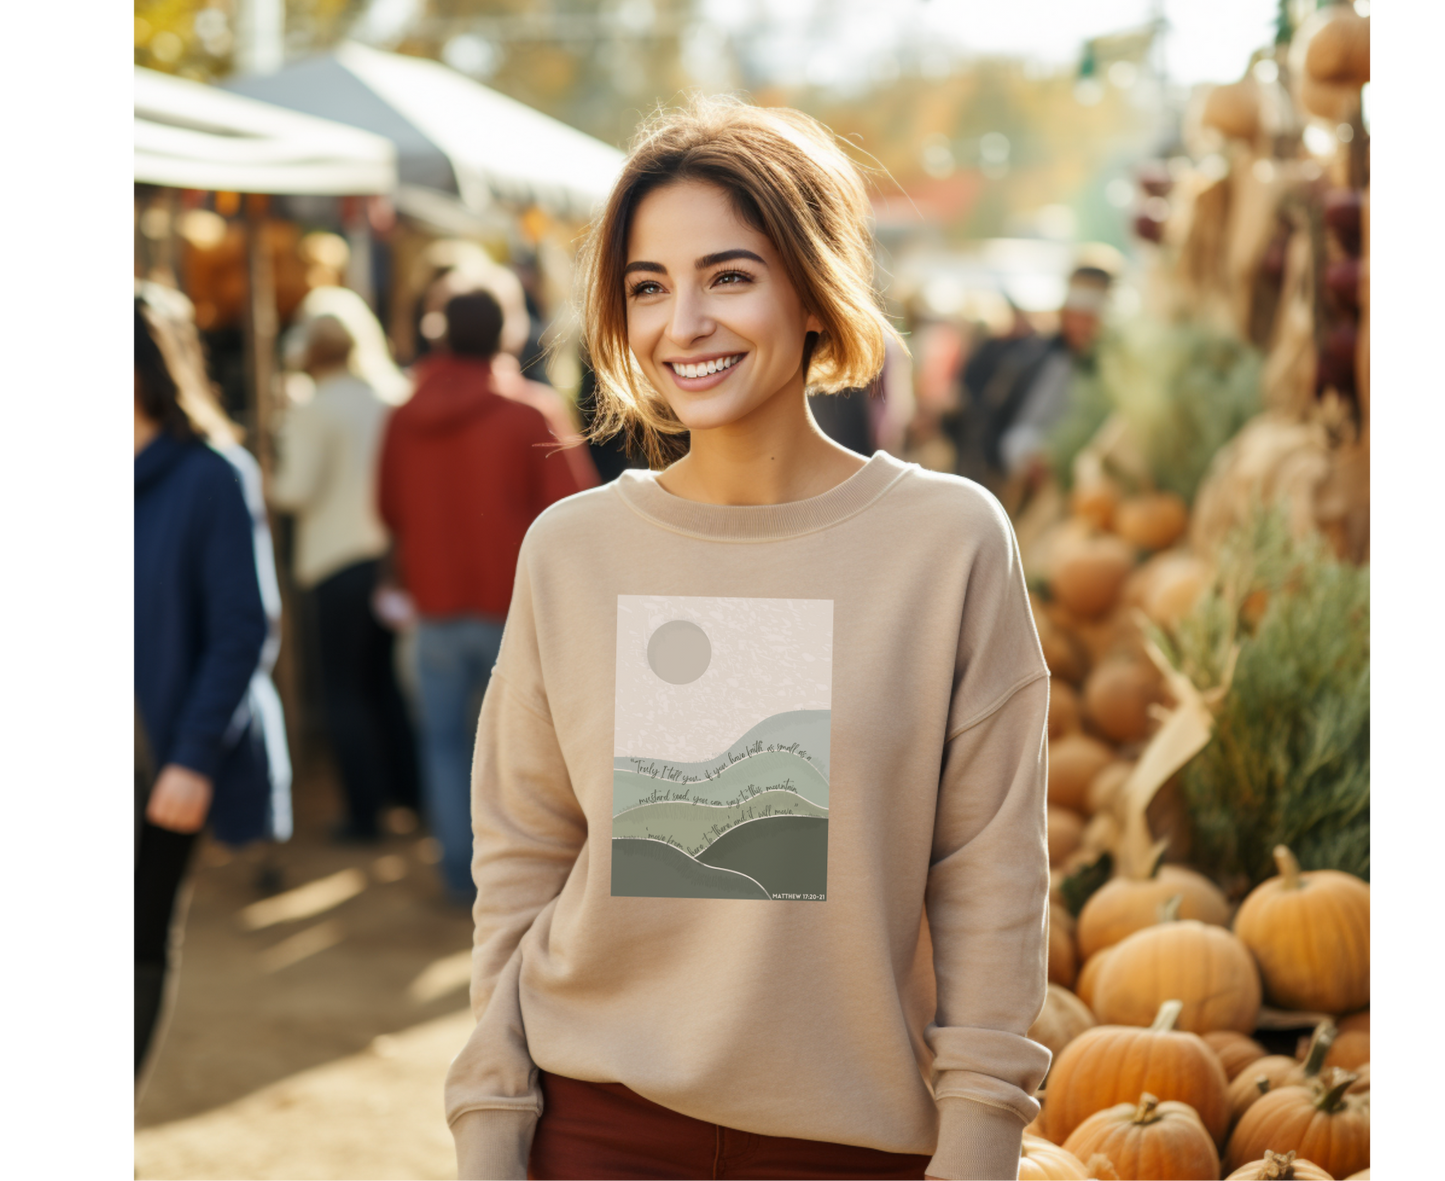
(767, 459)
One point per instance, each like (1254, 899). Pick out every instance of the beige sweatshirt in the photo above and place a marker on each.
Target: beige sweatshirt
(327, 452)
(758, 800)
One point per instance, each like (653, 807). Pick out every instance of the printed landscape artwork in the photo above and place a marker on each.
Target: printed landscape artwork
(722, 732)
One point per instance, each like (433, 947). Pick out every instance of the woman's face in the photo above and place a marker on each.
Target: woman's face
(712, 317)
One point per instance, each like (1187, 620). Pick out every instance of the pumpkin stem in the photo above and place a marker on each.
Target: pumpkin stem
(1288, 867)
(1332, 1097)
(1320, 1043)
(1262, 1084)
(1145, 1113)
(1169, 909)
(1168, 1014)
(1278, 1167)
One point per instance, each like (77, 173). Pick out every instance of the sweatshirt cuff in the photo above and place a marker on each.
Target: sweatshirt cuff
(976, 1142)
(493, 1144)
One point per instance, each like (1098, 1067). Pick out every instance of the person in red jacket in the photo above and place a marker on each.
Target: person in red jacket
(464, 472)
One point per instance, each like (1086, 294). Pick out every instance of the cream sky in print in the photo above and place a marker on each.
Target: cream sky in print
(720, 768)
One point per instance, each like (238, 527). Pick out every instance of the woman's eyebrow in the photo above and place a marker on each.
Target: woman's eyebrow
(711, 260)
(655, 267)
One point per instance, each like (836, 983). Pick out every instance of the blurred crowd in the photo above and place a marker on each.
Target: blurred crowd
(409, 492)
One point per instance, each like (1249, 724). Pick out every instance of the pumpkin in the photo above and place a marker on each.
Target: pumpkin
(1063, 960)
(1063, 708)
(1201, 964)
(1103, 791)
(1258, 1079)
(1234, 109)
(1339, 52)
(1089, 573)
(1065, 826)
(1064, 1017)
(1277, 1070)
(1117, 697)
(1152, 522)
(1149, 1139)
(1363, 1173)
(1095, 501)
(1310, 933)
(1234, 1050)
(1088, 975)
(1355, 1022)
(1175, 589)
(1274, 1166)
(1104, 1064)
(1321, 1122)
(1351, 1051)
(1041, 1161)
(1124, 905)
(1074, 760)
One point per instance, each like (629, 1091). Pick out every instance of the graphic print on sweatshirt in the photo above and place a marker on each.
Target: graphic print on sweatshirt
(720, 768)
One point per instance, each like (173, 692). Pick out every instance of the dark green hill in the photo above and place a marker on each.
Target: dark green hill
(651, 869)
(787, 854)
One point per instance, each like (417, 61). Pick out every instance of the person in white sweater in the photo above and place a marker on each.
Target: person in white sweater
(326, 475)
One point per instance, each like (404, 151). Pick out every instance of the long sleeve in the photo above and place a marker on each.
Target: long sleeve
(988, 882)
(301, 458)
(233, 625)
(528, 829)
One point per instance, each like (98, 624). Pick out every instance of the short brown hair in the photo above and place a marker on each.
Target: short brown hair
(787, 178)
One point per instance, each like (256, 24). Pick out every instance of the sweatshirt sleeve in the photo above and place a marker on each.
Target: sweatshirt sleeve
(528, 830)
(233, 624)
(988, 883)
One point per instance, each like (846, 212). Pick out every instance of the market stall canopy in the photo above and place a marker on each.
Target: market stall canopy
(192, 136)
(452, 135)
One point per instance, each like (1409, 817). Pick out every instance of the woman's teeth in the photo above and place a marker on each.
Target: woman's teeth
(704, 368)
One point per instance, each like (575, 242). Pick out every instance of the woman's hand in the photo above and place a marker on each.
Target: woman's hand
(179, 800)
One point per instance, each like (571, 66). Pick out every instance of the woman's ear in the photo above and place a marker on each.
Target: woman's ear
(813, 324)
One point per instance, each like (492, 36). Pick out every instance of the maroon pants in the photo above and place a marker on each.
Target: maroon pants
(597, 1131)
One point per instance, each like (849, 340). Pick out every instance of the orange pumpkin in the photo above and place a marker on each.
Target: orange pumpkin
(1117, 697)
(1063, 961)
(1203, 965)
(1088, 976)
(1095, 501)
(1074, 760)
(1105, 786)
(1274, 1166)
(1310, 933)
(1125, 905)
(1321, 1122)
(1064, 1017)
(1152, 522)
(1149, 1139)
(1041, 1161)
(1276, 1070)
(1063, 708)
(1350, 1051)
(1234, 1050)
(1089, 573)
(1064, 828)
(1104, 1064)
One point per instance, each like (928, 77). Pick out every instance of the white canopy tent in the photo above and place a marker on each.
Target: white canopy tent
(452, 134)
(192, 136)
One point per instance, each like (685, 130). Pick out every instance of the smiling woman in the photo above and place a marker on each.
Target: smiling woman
(786, 916)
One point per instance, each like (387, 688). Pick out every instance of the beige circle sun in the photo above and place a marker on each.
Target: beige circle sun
(679, 652)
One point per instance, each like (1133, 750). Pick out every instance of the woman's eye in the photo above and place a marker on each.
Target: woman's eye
(733, 278)
(646, 287)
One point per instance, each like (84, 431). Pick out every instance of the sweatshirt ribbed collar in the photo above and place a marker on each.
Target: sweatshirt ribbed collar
(760, 522)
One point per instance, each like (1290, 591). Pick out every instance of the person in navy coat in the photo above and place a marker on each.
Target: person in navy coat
(207, 719)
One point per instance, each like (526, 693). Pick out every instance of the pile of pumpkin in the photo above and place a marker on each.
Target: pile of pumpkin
(1155, 1074)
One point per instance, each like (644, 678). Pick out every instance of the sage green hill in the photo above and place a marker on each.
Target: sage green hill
(696, 826)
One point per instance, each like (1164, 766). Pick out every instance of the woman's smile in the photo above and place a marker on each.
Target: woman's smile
(703, 374)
